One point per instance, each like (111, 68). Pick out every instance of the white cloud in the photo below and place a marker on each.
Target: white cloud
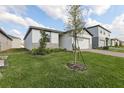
(99, 9)
(56, 12)
(16, 9)
(16, 33)
(9, 17)
(118, 23)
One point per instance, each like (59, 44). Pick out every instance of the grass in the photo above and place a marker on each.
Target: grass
(25, 70)
(117, 49)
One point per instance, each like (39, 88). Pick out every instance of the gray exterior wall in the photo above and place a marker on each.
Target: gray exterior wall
(94, 31)
(95, 42)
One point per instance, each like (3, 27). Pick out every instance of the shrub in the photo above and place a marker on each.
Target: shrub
(105, 48)
(116, 44)
(34, 51)
(39, 51)
(45, 51)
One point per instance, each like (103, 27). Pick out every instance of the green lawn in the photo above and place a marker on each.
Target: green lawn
(25, 70)
(117, 49)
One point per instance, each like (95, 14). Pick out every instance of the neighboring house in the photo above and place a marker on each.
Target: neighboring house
(115, 41)
(5, 41)
(16, 42)
(32, 37)
(122, 42)
(100, 36)
(84, 40)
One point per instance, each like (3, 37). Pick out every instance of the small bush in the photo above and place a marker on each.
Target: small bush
(45, 51)
(105, 48)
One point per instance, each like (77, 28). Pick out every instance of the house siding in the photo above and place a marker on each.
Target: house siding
(5, 43)
(66, 40)
(99, 39)
(16, 43)
(95, 42)
(102, 36)
(32, 40)
(28, 42)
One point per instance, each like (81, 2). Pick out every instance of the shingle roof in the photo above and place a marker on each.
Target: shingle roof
(40, 28)
(2, 32)
(14, 37)
(83, 28)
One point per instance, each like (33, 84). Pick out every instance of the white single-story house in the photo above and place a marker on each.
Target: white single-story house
(16, 42)
(115, 41)
(5, 41)
(56, 39)
(84, 40)
(32, 37)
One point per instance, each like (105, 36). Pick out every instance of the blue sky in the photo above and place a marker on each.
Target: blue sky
(15, 20)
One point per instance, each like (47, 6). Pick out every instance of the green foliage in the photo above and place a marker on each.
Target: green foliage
(45, 51)
(116, 44)
(43, 40)
(105, 48)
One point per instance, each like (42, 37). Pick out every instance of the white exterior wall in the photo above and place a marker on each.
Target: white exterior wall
(66, 41)
(32, 40)
(114, 42)
(28, 41)
(102, 37)
(87, 36)
(36, 36)
(55, 38)
(16, 43)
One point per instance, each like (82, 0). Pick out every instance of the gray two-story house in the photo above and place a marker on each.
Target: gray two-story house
(101, 36)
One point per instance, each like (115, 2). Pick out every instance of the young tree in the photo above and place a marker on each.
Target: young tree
(76, 24)
(43, 40)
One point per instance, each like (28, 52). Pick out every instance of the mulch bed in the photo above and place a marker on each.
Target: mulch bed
(77, 67)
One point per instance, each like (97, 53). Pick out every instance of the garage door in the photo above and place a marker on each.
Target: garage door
(102, 43)
(84, 43)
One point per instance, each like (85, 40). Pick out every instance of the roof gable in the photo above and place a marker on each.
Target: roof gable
(2, 32)
(40, 28)
(99, 26)
(71, 31)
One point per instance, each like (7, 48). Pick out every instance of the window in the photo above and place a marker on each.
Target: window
(101, 31)
(104, 33)
(48, 36)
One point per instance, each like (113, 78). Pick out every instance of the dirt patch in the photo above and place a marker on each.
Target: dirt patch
(77, 67)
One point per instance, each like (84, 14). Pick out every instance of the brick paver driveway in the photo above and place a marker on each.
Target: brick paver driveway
(105, 52)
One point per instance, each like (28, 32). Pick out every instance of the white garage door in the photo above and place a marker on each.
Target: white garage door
(102, 43)
(84, 43)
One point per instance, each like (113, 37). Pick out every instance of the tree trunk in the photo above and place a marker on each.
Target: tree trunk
(75, 51)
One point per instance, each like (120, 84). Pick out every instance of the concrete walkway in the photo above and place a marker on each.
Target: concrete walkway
(105, 52)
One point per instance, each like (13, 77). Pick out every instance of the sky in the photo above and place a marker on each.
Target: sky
(15, 20)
